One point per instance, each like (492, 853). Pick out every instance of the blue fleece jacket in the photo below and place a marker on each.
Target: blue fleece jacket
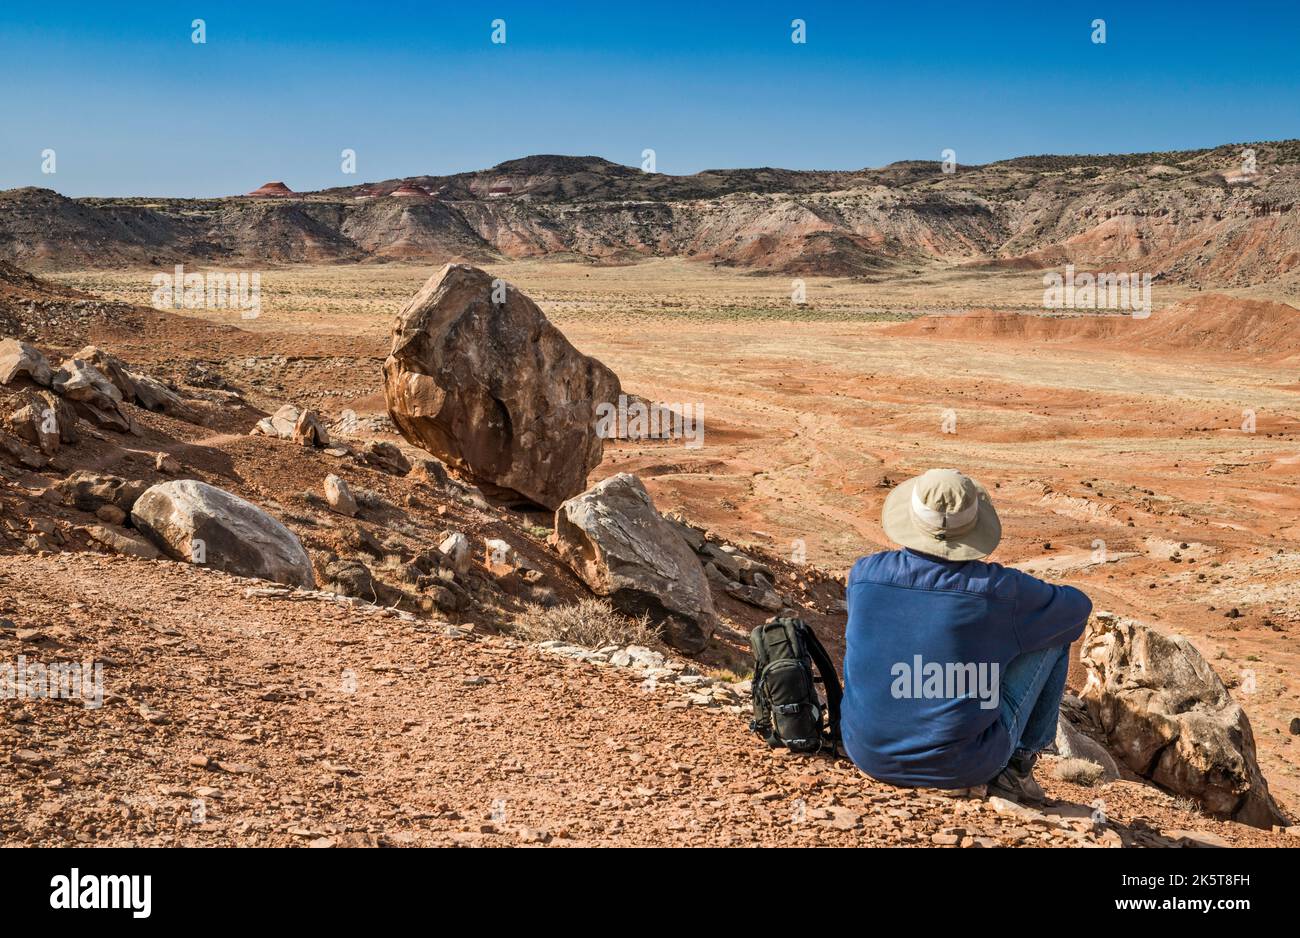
(926, 641)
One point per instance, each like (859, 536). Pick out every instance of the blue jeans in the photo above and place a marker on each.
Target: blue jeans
(1030, 697)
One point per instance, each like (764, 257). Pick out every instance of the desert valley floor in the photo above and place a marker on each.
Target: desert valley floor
(1118, 461)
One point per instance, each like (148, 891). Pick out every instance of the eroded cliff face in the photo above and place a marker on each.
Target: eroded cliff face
(1204, 216)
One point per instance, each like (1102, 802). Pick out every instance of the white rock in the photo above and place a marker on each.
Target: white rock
(617, 542)
(199, 523)
(456, 548)
(339, 496)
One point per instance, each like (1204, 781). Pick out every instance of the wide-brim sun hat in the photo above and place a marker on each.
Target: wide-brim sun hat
(943, 513)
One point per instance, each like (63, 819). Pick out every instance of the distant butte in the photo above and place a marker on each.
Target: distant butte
(274, 190)
(406, 190)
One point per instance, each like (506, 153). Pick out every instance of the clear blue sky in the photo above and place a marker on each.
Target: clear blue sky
(133, 107)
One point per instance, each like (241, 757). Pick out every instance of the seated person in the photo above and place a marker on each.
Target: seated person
(954, 668)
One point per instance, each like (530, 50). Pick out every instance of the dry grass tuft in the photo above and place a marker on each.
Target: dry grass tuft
(592, 623)
(1078, 771)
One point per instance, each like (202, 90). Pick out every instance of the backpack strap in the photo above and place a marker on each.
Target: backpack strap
(762, 721)
(830, 680)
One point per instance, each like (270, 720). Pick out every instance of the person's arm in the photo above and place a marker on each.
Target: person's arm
(1048, 615)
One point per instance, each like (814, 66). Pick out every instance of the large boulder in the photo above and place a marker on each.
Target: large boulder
(1169, 717)
(489, 386)
(199, 523)
(615, 540)
(19, 358)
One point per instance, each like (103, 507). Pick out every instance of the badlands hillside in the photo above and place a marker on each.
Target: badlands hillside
(314, 632)
(1228, 216)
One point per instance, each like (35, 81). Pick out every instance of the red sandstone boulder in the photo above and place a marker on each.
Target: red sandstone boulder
(481, 379)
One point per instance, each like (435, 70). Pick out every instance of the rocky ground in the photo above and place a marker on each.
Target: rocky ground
(244, 712)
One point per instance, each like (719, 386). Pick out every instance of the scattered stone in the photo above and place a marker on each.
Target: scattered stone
(339, 496)
(155, 396)
(637, 656)
(110, 514)
(500, 557)
(455, 547)
(726, 563)
(838, 817)
(1073, 744)
(199, 523)
(1197, 838)
(691, 534)
(716, 576)
(36, 419)
(235, 768)
(281, 423)
(385, 457)
(756, 596)
(1021, 813)
(19, 358)
(90, 491)
(93, 395)
(112, 368)
(429, 472)
(309, 430)
(353, 578)
(358, 840)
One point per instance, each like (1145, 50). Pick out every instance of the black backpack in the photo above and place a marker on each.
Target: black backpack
(787, 711)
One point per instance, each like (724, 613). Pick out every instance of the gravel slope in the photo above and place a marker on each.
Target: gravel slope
(238, 717)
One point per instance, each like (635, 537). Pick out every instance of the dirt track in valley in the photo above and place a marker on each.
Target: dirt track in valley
(1127, 475)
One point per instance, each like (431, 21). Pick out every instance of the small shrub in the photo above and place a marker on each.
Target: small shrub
(731, 675)
(1078, 771)
(588, 622)
(369, 498)
(1187, 805)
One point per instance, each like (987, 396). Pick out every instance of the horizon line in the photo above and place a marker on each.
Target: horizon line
(1190, 151)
